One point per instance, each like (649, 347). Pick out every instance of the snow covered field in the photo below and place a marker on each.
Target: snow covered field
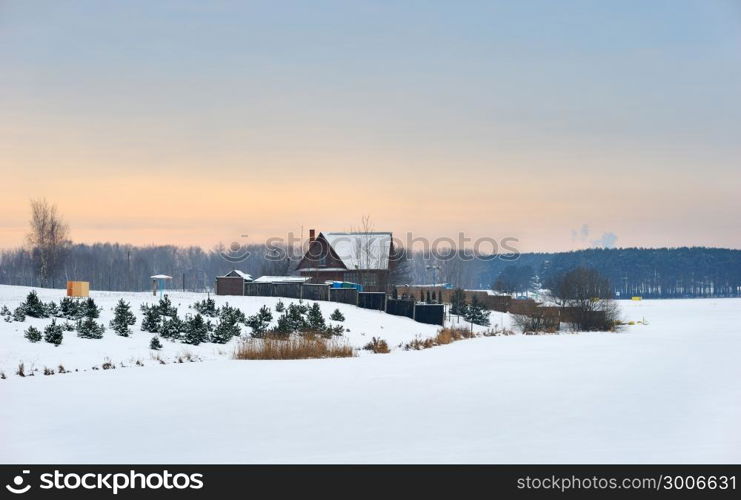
(76, 353)
(668, 391)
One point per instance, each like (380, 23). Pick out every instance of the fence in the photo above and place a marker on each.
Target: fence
(523, 306)
(424, 313)
(315, 292)
(574, 315)
(400, 307)
(433, 314)
(372, 300)
(258, 289)
(549, 316)
(500, 303)
(344, 295)
(289, 290)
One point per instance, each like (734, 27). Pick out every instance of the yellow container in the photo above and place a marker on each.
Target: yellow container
(78, 289)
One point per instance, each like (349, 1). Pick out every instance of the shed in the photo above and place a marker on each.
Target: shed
(232, 283)
(78, 288)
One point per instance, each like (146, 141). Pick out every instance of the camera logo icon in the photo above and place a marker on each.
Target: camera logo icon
(17, 486)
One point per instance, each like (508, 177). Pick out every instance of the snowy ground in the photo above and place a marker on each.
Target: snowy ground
(668, 392)
(83, 354)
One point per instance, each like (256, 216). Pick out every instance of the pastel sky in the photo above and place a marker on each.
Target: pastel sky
(192, 122)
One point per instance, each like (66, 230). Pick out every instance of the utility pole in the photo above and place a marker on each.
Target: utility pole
(434, 270)
(128, 269)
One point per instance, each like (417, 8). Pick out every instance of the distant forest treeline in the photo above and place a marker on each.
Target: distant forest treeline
(117, 267)
(660, 273)
(646, 272)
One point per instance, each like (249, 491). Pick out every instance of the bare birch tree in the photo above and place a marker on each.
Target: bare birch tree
(48, 239)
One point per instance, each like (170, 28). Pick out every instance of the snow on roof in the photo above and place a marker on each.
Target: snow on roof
(324, 269)
(282, 279)
(361, 250)
(434, 285)
(237, 273)
(161, 277)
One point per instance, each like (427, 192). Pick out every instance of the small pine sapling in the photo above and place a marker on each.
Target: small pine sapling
(231, 314)
(89, 309)
(170, 328)
(53, 333)
(52, 309)
(476, 313)
(33, 306)
(151, 321)
(123, 318)
(225, 330)
(196, 330)
(295, 314)
(206, 307)
(458, 301)
(337, 316)
(69, 308)
(19, 314)
(259, 322)
(166, 308)
(155, 343)
(32, 334)
(88, 328)
(315, 318)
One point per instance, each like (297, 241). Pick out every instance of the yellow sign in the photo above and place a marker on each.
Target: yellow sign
(637, 298)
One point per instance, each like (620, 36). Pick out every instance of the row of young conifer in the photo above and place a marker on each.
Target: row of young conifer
(208, 324)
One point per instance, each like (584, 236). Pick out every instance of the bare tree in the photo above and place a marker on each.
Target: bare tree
(368, 253)
(48, 240)
(368, 257)
(587, 295)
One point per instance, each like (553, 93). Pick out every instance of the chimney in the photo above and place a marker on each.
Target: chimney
(312, 235)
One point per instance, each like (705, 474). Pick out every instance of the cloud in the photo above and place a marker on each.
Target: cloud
(581, 235)
(607, 240)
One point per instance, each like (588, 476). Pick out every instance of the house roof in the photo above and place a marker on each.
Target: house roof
(362, 251)
(282, 279)
(238, 274)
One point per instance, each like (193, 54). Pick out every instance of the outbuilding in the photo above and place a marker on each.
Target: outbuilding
(232, 283)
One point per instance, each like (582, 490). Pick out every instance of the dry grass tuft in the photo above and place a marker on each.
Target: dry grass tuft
(448, 335)
(496, 331)
(158, 358)
(304, 347)
(418, 344)
(443, 337)
(378, 346)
